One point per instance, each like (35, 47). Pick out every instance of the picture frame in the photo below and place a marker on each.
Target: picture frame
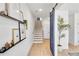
(15, 35)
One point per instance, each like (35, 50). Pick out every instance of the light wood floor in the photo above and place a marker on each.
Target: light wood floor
(41, 49)
(72, 49)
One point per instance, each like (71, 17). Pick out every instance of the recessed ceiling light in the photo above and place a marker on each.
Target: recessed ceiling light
(40, 10)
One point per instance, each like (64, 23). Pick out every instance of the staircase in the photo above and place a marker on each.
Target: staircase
(38, 32)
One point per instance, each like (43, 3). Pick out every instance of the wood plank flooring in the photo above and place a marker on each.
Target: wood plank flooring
(41, 49)
(72, 49)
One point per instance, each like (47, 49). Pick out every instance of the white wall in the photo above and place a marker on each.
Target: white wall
(76, 27)
(63, 14)
(29, 32)
(2, 5)
(13, 11)
(46, 27)
(6, 26)
(71, 30)
(23, 48)
(74, 30)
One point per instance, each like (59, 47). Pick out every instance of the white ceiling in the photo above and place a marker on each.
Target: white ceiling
(47, 7)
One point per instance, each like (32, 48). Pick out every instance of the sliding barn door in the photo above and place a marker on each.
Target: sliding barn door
(52, 47)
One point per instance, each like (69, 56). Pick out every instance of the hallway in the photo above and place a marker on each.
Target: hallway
(41, 49)
(28, 24)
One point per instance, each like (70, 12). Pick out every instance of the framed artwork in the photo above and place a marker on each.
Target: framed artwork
(15, 35)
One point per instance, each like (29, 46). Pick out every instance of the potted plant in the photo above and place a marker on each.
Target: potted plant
(61, 27)
(25, 23)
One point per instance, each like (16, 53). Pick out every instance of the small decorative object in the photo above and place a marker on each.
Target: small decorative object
(2, 12)
(7, 45)
(12, 43)
(25, 23)
(2, 49)
(61, 26)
